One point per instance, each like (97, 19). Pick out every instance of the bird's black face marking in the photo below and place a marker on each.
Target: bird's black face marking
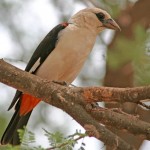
(100, 16)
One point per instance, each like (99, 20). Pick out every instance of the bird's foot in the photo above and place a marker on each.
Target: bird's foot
(73, 85)
(93, 106)
(61, 83)
(64, 83)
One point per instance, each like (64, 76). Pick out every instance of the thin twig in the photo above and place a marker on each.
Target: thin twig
(67, 142)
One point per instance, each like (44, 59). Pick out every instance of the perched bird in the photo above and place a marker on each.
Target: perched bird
(60, 56)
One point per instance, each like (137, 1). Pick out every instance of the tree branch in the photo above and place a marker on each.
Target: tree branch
(124, 122)
(73, 100)
(28, 83)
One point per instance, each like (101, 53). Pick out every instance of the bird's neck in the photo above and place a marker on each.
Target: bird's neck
(82, 23)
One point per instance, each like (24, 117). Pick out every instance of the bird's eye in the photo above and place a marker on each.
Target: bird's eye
(100, 16)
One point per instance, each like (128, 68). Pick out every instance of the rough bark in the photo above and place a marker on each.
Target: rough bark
(75, 101)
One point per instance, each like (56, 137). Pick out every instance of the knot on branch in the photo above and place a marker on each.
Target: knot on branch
(91, 130)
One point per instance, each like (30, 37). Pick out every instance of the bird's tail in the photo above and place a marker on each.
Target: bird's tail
(23, 110)
(11, 135)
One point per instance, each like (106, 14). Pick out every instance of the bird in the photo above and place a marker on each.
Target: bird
(59, 57)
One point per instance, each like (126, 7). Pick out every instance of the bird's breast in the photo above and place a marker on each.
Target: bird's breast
(68, 57)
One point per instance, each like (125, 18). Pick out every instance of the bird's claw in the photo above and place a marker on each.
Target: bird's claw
(64, 83)
(61, 83)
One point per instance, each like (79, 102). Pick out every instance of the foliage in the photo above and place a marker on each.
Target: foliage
(26, 137)
(127, 50)
(133, 50)
(56, 140)
(142, 66)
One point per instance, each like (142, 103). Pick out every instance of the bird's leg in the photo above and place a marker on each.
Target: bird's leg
(64, 83)
(73, 85)
(94, 106)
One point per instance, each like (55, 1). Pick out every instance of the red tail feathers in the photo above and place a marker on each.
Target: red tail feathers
(28, 102)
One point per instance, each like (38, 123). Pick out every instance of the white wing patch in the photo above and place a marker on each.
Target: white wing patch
(35, 66)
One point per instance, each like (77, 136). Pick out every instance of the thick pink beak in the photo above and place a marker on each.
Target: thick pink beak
(111, 24)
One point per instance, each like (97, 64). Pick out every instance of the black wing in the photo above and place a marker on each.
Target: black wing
(46, 46)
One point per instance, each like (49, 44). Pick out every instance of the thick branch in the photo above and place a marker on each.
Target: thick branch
(95, 129)
(66, 98)
(121, 95)
(28, 83)
(124, 122)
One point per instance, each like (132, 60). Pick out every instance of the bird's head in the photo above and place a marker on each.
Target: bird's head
(94, 19)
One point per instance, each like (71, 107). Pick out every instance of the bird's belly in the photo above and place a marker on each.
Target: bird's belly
(61, 67)
(71, 72)
(66, 60)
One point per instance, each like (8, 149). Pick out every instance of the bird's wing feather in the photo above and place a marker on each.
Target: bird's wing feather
(46, 46)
